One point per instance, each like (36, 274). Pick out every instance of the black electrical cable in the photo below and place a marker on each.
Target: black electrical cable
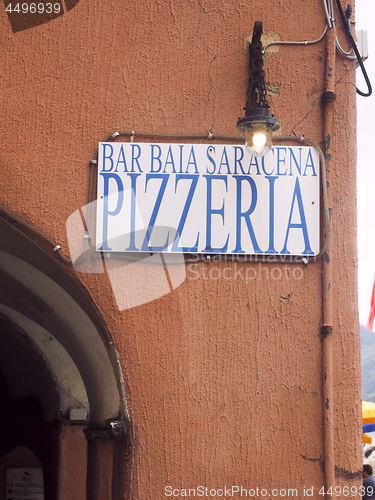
(358, 55)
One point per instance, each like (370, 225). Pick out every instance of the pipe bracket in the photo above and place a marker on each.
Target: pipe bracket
(326, 330)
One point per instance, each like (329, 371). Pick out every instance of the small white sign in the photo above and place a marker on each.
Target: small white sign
(200, 198)
(24, 484)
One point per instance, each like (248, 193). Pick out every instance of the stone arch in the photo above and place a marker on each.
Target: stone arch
(54, 345)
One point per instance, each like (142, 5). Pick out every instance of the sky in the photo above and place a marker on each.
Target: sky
(365, 20)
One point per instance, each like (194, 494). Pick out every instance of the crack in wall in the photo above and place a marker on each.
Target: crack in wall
(347, 73)
(339, 81)
(199, 27)
(305, 117)
(213, 55)
(211, 86)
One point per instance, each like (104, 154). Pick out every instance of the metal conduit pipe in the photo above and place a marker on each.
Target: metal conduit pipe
(326, 329)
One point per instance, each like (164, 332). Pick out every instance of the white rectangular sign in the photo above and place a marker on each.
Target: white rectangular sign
(200, 198)
(24, 484)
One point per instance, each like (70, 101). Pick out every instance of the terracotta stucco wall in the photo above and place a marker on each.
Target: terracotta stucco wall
(223, 376)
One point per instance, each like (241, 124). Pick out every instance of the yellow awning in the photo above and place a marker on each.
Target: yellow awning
(368, 412)
(366, 439)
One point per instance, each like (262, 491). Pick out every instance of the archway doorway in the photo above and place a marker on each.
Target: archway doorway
(59, 374)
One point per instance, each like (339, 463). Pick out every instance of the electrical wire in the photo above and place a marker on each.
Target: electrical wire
(280, 42)
(330, 23)
(329, 13)
(328, 8)
(358, 55)
(345, 54)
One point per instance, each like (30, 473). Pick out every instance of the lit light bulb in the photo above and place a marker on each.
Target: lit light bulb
(258, 140)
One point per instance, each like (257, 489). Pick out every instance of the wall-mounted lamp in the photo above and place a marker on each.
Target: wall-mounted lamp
(258, 123)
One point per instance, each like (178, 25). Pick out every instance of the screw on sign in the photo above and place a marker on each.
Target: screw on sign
(29, 14)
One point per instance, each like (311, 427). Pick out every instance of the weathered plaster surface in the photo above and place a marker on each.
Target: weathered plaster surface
(223, 377)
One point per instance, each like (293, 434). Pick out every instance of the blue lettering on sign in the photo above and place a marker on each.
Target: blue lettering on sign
(192, 161)
(224, 161)
(209, 150)
(157, 157)
(235, 222)
(136, 157)
(210, 212)
(121, 159)
(181, 146)
(151, 224)
(105, 157)
(238, 150)
(245, 215)
(133, 200)
(106, 212)
(281, 161)
(309, 165)
(293, 159)
(108, 155)
(169, 161)
(194, 180)
(254, 161)
(297, 196)
(263, 165)
(271, 238)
